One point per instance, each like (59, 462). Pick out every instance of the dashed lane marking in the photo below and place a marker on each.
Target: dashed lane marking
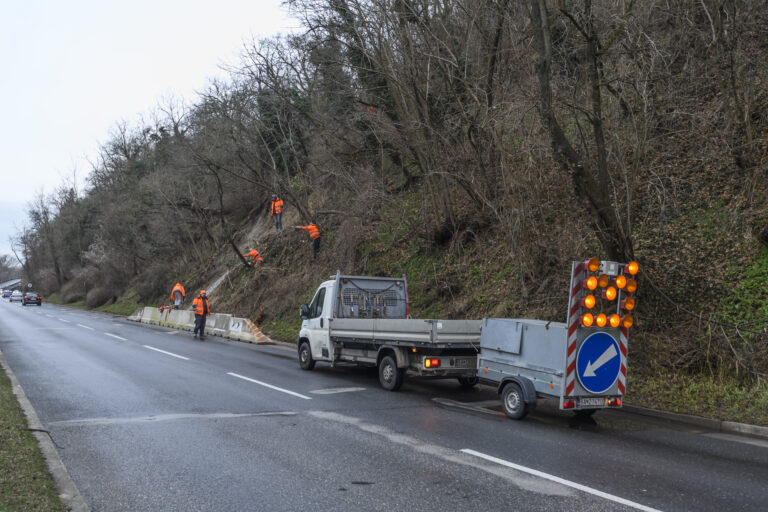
(270, 386)
(116, 336)
(86, 327)
(63, 320)
(166, 352)
(559, 480)
(333, 391)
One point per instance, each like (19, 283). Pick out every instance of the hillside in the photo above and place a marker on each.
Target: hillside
(476, 149)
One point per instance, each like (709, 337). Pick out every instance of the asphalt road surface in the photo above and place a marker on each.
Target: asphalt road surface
(147, 418)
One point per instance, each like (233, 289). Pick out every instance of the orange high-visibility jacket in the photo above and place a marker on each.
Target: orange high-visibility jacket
(276, 207)
(254, 255)
(178, 286)
(313, 231)
(201, 305)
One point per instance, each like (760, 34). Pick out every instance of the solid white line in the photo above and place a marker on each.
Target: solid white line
(115, 336)
(167, 353)
(270, 386)
(85, 327)
(562, 481)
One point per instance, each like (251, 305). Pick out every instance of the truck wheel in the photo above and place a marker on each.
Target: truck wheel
(513, 401)
(468, 382)
(305, 357)
(390, 376)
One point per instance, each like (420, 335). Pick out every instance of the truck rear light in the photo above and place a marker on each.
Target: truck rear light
(569, 404)
(614, 402)
(431, 363)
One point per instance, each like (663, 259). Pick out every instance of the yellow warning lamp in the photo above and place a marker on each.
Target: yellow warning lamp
(589, 283)
(588, 301)
(627, 321)
(592, 264)
(603, 280)
(631, 268)
(628, 304)
(587, 320)
(631, 286)
(601, 320)
(620, 282)
(610, 293)
(614, 320)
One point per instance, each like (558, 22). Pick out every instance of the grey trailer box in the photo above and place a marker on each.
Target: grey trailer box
(533, 349)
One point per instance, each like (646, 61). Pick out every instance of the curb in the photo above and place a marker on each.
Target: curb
(68, 492)
(731, 427)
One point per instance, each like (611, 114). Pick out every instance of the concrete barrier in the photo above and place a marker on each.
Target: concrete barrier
(217, 324)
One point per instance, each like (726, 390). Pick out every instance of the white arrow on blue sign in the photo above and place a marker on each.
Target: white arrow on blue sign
(598, 362)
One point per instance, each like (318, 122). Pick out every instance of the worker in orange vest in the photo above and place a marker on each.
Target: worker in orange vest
(177, 295)
(314, 235)
(276, 211)
(202, 308)
(254, 256)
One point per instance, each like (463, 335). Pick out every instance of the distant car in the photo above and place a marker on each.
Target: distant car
(31, 298)
(16, 296)
(6, 294)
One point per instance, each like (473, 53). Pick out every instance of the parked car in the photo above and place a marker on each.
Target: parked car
(16, 296)
(6, 294)
(31, 298)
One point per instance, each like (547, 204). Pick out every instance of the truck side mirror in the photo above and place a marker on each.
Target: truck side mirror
(304, 311)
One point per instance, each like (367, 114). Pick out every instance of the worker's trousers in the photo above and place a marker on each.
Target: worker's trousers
(200, 324)
(278, 221)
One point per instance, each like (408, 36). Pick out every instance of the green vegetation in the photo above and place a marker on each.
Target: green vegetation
(25, 483)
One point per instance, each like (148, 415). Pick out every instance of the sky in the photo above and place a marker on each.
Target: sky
(70, 71)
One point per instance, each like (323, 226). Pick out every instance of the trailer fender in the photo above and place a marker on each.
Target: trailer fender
(529, 391)
(388, 350)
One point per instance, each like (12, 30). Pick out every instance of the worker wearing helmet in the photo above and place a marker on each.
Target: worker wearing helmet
(276, 211)
(177, 295)
(314, 235)
(253, 256)
(202, 309)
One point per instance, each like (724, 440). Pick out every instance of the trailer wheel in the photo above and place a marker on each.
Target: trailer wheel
(305, 357)
(468, 382)
(513, 402)
(390, 376)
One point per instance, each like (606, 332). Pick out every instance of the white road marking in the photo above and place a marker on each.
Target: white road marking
(740, 439)
(333, 391)
(165, 417)
(559, 480)
(167, 353)
(49, 316)
(270, 386)
(115, 336)
(85, 327)
(67, 321)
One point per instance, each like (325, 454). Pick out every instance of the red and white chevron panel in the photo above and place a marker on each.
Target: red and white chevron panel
(623, 339)
(573, 324)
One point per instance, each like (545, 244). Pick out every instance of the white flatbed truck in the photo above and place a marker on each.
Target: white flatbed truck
(364, 320)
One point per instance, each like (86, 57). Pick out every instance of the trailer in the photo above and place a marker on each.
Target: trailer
(582, 363)
(365, 320)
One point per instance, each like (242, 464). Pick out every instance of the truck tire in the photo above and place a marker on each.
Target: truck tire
(513, 401)
(305, 357)
(390, 376)
(468, 382)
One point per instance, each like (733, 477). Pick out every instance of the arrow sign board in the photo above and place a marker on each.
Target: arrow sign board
(598, 362)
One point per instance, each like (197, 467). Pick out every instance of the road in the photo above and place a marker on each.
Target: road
(147, 418)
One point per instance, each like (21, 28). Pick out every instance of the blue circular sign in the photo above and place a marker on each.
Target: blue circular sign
(598, 362)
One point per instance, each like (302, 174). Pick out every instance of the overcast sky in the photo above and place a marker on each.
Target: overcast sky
(72, 69)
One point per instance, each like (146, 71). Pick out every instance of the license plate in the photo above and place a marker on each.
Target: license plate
(463, 363)
(591, 402)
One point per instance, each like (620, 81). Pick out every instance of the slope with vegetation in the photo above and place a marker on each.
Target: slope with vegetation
(476, 146)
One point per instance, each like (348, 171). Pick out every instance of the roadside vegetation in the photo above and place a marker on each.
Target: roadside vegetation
(25, 483)
(478, 148)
